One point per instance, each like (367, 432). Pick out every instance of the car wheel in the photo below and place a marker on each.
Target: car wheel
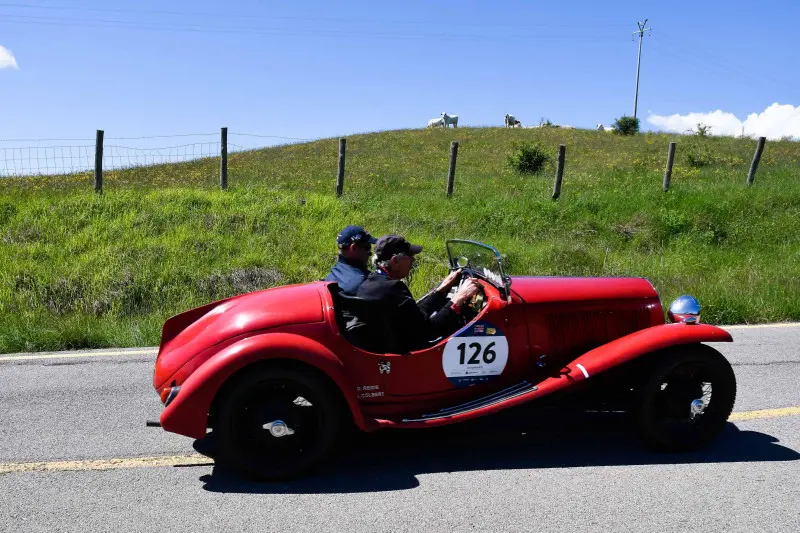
(277, 423)
(686, 399)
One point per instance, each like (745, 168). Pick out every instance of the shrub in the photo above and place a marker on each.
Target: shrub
(703, 130)
(527, 158)
(626, 125)
(697, 153)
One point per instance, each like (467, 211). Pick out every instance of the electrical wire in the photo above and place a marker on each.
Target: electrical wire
(305, 32)
(283, 17)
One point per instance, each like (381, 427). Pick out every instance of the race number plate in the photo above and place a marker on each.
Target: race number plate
(474, 355)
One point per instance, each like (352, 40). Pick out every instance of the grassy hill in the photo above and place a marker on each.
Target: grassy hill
(79, 269)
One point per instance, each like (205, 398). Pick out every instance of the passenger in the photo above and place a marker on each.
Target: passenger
(413, 325)
(355, 247)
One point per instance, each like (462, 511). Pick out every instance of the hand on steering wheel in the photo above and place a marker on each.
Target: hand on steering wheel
(468, 289)
(451, 279)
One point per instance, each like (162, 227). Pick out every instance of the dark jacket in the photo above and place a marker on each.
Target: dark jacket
(349, 274)
(411, 325)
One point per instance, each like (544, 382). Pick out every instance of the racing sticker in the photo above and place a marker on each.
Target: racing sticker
(475, 354)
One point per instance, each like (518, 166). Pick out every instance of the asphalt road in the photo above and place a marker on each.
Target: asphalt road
(82, 416)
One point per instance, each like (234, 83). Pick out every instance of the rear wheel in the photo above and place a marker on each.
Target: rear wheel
(277, 423)
(686, 399)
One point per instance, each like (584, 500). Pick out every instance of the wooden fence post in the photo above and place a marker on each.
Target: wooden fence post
(559, 171)
(223, 159)
(451, 171)
(98, 162)
(340, 172)
(756, 158)
(668, 171)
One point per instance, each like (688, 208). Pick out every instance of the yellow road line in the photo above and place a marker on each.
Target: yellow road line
(106, 464)
(33, 357)
(764, 413)
(759, 326)
(201, 460)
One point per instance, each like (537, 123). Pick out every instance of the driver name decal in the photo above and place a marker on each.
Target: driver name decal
(475, 355)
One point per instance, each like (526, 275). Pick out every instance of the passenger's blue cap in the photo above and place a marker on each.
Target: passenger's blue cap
(352, 234)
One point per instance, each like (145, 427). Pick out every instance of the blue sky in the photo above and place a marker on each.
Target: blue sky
(318, 69)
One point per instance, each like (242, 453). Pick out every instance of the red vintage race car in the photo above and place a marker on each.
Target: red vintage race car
(275, 376)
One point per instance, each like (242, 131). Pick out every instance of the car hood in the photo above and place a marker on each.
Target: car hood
(552, 289)
(189, 333)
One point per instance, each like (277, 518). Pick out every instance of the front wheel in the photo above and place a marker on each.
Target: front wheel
(686, 399)
(277, 423)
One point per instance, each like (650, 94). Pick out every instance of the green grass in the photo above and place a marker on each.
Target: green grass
(79, 269)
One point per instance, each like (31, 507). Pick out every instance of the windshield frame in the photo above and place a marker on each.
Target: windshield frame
(505, 287)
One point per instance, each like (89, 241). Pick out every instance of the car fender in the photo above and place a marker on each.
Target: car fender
(187, 414)
(640, 343)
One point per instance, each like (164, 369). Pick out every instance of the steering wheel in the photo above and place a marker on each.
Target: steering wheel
(476, 303)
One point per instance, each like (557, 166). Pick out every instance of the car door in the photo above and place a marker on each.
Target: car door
(490, 351)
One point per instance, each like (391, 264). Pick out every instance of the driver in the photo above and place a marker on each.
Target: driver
(414, 325)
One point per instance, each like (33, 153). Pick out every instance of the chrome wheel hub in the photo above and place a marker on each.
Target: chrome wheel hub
(278, 428)
(697, 407)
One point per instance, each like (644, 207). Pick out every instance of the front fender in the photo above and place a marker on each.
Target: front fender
(187, 414)
(642, 342)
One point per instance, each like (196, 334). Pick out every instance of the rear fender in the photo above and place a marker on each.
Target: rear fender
(187, 414)
(640, 343)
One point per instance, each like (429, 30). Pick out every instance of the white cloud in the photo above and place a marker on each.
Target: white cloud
(7, 59)
(774, 122)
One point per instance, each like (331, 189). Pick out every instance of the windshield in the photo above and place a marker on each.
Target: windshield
(482, 259)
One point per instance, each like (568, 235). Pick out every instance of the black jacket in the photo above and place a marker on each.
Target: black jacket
(411, 325)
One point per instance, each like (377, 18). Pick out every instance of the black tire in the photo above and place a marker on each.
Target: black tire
(663, 408)
(307, 405)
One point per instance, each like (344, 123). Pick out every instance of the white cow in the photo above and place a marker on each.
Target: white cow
(450, 119)
(510, 121)
(600, 127)
(436, 123)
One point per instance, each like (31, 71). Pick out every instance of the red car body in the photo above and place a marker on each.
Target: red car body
(559, 332)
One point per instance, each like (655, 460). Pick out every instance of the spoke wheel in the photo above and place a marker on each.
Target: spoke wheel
(686, 399)
(278, 423)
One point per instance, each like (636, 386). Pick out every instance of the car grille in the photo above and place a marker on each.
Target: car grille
(575, 332)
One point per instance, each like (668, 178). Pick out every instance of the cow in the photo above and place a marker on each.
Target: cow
(450, 119)
(510, 121)
(436, 123)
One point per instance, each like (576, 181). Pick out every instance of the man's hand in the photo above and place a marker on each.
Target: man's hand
(449, 281)
(466, 291)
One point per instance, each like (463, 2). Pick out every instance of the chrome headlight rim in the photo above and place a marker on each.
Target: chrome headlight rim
(685, 309)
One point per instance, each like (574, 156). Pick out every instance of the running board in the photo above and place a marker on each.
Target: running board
(480, 403)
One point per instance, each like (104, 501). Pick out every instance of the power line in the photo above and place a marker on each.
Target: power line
(255, 30)
(252, 16)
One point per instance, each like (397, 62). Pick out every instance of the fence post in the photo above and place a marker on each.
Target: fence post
(756, 158)
(223, 158)
(451, 171)
(340, 171)
(668, 171)
(559, 171)
(98, 162)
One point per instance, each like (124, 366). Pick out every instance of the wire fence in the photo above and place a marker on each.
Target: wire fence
(46, 160)
(122, 157)
(75, 159)
(165, 163)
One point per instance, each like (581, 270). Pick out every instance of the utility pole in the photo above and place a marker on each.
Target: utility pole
(641, 31)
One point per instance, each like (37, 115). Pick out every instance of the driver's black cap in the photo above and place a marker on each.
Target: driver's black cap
(389, 245)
